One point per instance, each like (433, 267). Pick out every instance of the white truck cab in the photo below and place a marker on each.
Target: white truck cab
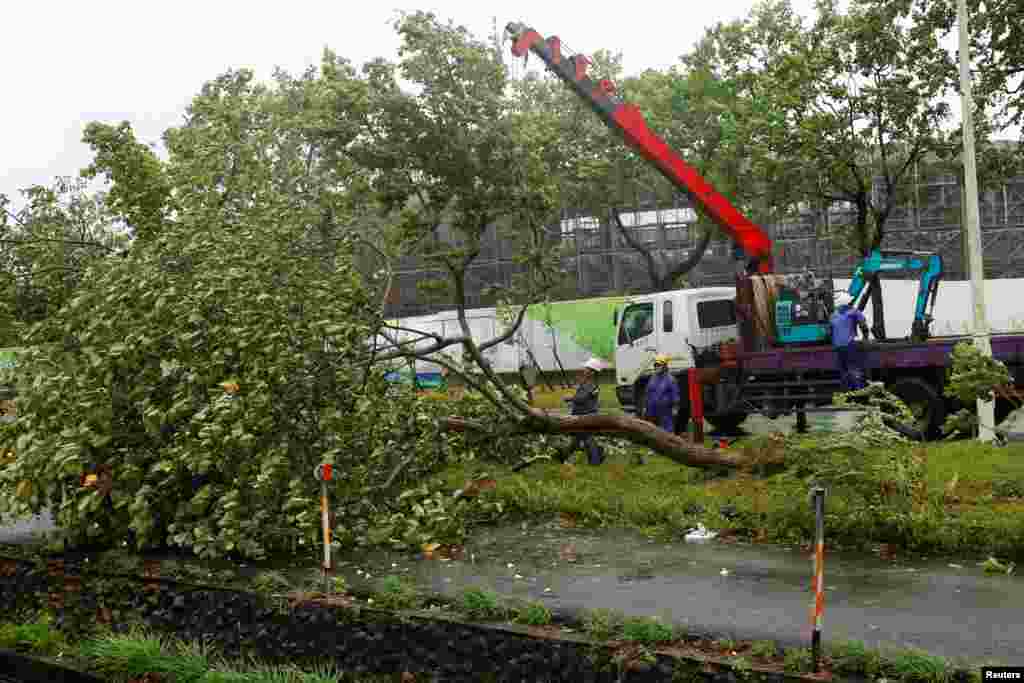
(669, 323)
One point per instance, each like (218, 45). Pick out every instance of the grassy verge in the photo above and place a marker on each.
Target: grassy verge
(945, 498)
(141, 654)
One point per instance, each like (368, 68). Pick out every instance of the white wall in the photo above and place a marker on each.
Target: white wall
(953, 316)
(1004, 303)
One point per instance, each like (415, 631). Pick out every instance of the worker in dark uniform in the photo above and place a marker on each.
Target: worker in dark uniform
(663, 396)
(844, 322)
(585, 402)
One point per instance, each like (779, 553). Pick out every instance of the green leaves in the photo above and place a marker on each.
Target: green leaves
(140, 191)
(973, 376)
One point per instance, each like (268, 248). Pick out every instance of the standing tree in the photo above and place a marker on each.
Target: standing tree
(455, 156)
(996, 44)
(854, 102)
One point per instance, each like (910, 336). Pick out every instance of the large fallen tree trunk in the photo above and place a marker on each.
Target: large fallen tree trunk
(631, 429)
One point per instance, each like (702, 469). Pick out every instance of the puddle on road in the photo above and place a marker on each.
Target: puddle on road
(536, 560)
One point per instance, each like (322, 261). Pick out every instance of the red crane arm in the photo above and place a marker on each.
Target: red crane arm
(627, 120)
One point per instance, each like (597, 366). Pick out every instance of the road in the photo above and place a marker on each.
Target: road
(739, 591)
(26, 530)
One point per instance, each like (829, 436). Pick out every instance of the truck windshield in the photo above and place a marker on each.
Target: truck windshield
(637, 322)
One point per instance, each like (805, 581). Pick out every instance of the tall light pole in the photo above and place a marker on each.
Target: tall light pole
(986, 410)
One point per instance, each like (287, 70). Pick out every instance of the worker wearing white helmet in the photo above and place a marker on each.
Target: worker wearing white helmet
(844, 323)
(585, 402)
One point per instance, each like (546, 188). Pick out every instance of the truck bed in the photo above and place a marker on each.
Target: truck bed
(1006, 347)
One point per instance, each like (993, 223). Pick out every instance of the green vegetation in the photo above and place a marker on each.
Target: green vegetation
(726, 644)
(123, 657)
(647, 630)
(854, 657)
(479, 603)
(38, 636)
(798, 660)
(600, 624)
(946, 497)
(120, 657)
(972, 376)
(916, 666)
(534, 614)
(396, 594)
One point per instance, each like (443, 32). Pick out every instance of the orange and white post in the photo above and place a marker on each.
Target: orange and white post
(818, 495)
(323, 473)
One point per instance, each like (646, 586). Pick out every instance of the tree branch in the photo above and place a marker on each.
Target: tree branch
(652, 265)
(632, 429)
(693, 259)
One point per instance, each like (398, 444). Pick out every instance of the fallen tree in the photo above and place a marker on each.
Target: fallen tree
(640, 432)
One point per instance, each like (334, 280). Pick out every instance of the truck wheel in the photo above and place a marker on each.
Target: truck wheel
(924, 401)
(729, 424)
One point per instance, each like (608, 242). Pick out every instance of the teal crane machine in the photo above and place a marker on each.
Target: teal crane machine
(802, 312)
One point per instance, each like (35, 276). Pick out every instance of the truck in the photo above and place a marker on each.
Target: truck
(761, 347)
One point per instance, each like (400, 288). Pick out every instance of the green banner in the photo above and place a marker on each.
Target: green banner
(590, 322)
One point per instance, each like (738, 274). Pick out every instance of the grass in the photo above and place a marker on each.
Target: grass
(37, 636)
(478, 603)
(600, 624)
(396, 594)
(854, 657)
(917, 666)
(647, 630)
(763, 648)
(121, 658)
(125, 657)
(545, 398)
(798, 660)
(534, 614)
(961, 509)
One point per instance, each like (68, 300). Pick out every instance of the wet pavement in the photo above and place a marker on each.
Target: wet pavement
(738, 591)
(26, 530)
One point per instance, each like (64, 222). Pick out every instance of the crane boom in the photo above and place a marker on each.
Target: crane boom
(627, 120)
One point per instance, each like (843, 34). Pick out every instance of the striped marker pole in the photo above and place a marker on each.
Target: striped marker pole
(324, 474)
(819, 574)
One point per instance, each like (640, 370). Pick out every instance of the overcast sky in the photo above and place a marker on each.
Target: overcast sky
(68, 62)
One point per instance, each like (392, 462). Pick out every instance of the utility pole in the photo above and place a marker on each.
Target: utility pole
(986, 410)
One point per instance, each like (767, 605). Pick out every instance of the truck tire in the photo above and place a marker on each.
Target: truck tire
(926, 403)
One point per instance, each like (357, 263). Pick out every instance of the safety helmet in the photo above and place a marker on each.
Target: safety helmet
(594, 364)
(661, 359)
(843, 299)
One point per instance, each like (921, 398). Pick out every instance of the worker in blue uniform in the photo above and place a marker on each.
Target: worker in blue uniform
(663, 396)
(844, 323)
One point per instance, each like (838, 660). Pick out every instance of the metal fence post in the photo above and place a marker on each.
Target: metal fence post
(818, 495)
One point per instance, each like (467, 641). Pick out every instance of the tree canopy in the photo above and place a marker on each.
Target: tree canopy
(210, 326)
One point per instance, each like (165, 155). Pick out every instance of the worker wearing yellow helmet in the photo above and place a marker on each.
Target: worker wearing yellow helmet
(662, 396)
